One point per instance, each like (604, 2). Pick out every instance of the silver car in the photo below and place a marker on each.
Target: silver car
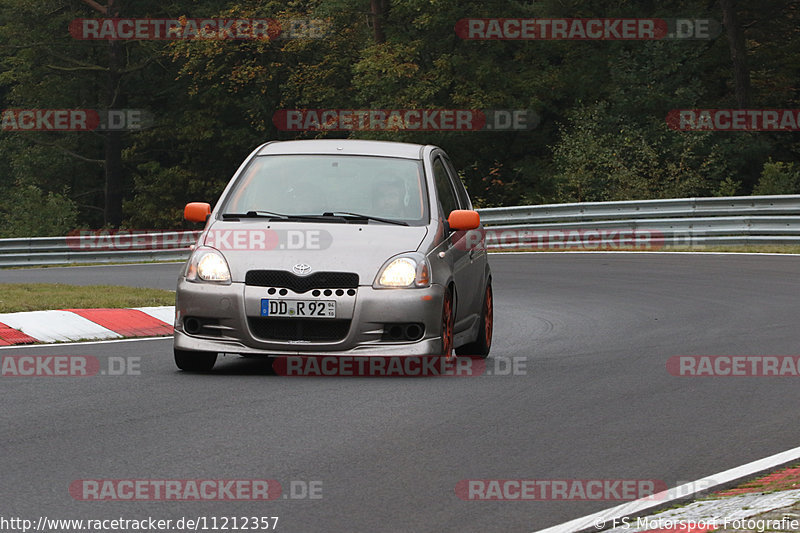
(336, 247)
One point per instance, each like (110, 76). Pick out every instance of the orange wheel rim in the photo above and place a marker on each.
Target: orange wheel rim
(489, 315)
(447, 327)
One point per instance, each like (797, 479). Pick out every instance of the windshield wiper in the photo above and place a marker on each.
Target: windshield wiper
(254, 214)
(342, 216)
(365, 217)
(280, 216)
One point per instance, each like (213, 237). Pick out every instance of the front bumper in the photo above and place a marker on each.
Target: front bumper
(228, 307)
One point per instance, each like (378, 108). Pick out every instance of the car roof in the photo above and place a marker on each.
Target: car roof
(344, 147)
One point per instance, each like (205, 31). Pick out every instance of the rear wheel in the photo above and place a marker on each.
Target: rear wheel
(194, 361)
(483, 343)
(448, 325)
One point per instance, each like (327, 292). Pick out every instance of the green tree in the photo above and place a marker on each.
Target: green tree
(778, 178)
(26, 211)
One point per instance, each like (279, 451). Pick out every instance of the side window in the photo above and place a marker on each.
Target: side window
(444, 189)
(461, 192)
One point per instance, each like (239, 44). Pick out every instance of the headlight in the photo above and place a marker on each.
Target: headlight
(404, 272)
(208, 264)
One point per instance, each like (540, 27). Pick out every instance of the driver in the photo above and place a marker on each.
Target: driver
(389, 199)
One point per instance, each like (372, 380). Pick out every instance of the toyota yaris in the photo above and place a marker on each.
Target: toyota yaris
(336, 247)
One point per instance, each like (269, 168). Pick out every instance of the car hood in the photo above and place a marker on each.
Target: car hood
(260, 245)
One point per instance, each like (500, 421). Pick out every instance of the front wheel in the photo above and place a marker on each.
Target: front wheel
(194, 361)
(483, 343)
(448, 325)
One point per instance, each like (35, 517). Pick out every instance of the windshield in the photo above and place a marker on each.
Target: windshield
(383, 187)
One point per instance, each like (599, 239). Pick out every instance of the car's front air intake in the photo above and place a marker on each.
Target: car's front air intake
(283, 279)
(299, 329)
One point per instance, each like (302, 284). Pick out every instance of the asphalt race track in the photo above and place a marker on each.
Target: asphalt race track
(595, 331)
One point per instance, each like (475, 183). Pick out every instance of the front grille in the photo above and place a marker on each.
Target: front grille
(299, 329)
(286, 280)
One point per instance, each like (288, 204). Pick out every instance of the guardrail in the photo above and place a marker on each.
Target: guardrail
(683, 222)
(120, 247)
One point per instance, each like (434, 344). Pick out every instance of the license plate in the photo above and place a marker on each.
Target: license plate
(299, 308)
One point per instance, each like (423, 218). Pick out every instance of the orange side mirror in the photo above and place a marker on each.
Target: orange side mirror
(196, 211)
(464, 220)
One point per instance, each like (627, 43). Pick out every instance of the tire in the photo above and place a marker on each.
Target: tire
(194, 361)
(483, 343)
(448, 326)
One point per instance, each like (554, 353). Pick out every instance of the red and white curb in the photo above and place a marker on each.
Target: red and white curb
(68, 325)
(711, 515)
(741, 508)
(759, 503)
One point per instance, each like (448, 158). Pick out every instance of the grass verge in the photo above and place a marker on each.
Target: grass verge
(15, 297)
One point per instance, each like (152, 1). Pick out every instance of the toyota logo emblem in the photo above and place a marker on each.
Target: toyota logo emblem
(302, 269)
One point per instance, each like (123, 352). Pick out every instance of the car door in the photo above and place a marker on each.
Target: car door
(474, 242)
(455, 243)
